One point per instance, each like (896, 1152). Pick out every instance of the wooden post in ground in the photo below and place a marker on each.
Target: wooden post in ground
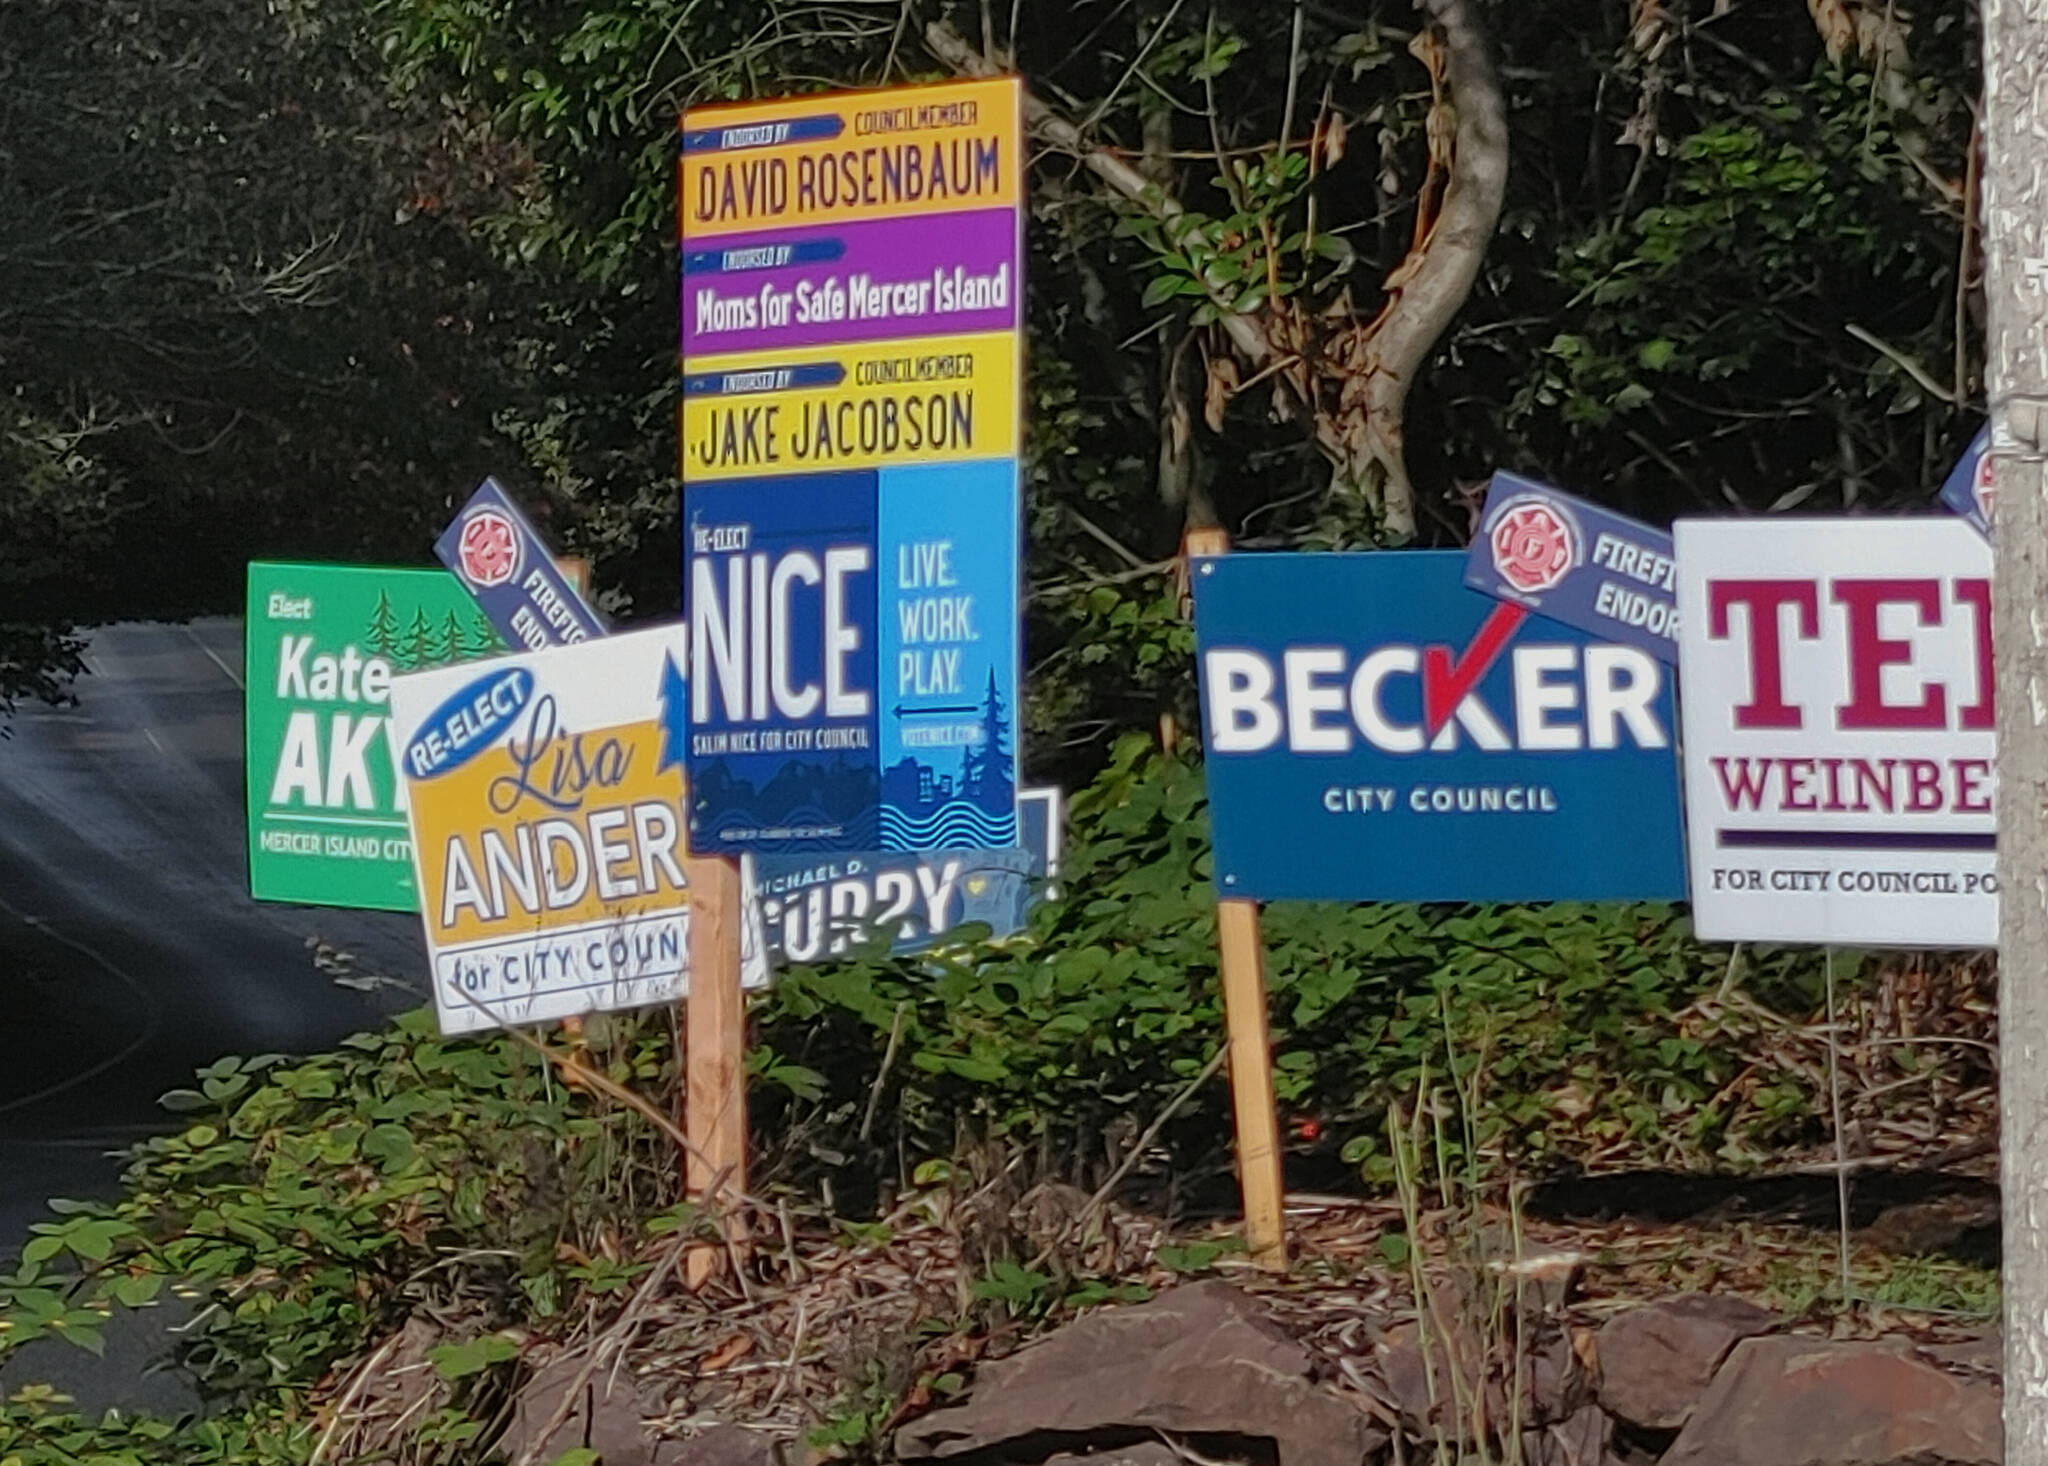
(715, 1052)
(1243, 964)
(1251, 1081)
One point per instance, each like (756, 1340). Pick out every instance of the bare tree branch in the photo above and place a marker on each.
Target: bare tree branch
(1352, 377)
(956, 51)
(1432, 284)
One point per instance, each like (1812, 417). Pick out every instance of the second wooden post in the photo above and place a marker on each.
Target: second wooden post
(1242, 961)
(714, 1055)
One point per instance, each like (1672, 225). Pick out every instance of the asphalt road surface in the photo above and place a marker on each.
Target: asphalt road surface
(130, 952)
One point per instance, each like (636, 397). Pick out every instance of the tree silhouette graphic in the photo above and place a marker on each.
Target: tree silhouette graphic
(382, 634)
(675, 717)
(450, 647)
(418, 648)
(483, 638)
(988, 774)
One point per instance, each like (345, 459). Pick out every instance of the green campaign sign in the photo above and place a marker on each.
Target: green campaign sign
(326, 818)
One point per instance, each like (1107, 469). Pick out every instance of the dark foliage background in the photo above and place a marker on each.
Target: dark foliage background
(288, 282)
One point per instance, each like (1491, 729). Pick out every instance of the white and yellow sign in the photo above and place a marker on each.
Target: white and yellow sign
(546, 800)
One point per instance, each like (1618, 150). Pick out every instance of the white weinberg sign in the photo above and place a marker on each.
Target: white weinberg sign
(1838, 730)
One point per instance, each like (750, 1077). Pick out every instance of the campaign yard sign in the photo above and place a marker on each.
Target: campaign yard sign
(545, 794)
(323, 643)
(818, 165)
(853, 640)
(858, 283)
(1969, 491)
(815, 908)
(512, 573)
(850, 424)
(1376, 731)
(1572, 561)
(943, 400)
(1839, 733)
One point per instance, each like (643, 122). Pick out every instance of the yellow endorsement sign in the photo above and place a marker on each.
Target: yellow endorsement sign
(547, 806)
(936, 399)
(840, 159)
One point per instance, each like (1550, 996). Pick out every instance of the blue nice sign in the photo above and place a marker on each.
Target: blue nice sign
(1575, 562)
(1377, 732)
(853, 660)
(505, 564)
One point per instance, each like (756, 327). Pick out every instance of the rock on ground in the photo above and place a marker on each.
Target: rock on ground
(1812, 1402)
(567, 1405)
(1656, 1362)
(1201, 1360)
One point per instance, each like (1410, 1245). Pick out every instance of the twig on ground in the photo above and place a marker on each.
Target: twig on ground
(789, 1366)
(867, 1121)
(1138, 1149)
(355, 1385)
(614, 1338)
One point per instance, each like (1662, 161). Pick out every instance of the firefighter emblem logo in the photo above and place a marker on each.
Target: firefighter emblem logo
(1984, 487)
(1535, 544)
(489, 549)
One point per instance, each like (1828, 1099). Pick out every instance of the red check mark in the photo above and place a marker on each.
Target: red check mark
(1445, 684)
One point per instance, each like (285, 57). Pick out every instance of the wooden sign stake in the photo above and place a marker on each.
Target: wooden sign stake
(1251, 1082)
(715, 1053)
(1243, 967)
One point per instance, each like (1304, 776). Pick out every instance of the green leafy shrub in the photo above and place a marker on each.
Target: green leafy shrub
(38, 1428)
(315, 1203)
(1588, 1022)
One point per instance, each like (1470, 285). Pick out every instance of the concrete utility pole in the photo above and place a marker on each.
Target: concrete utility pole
(2015, 231)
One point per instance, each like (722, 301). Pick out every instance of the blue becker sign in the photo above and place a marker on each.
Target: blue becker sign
(1575, 562)
(505, 564)
(853, 660)
(1377, 732)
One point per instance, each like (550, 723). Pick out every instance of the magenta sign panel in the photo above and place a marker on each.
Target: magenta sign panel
(880, 280)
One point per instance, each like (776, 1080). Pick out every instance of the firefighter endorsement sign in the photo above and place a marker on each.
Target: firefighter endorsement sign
(546, 804)
(1839, 743)
(326, 810)
(1969, 491)
(1575, 562)
(509, 569)
(1424, 741)
(849, 422)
